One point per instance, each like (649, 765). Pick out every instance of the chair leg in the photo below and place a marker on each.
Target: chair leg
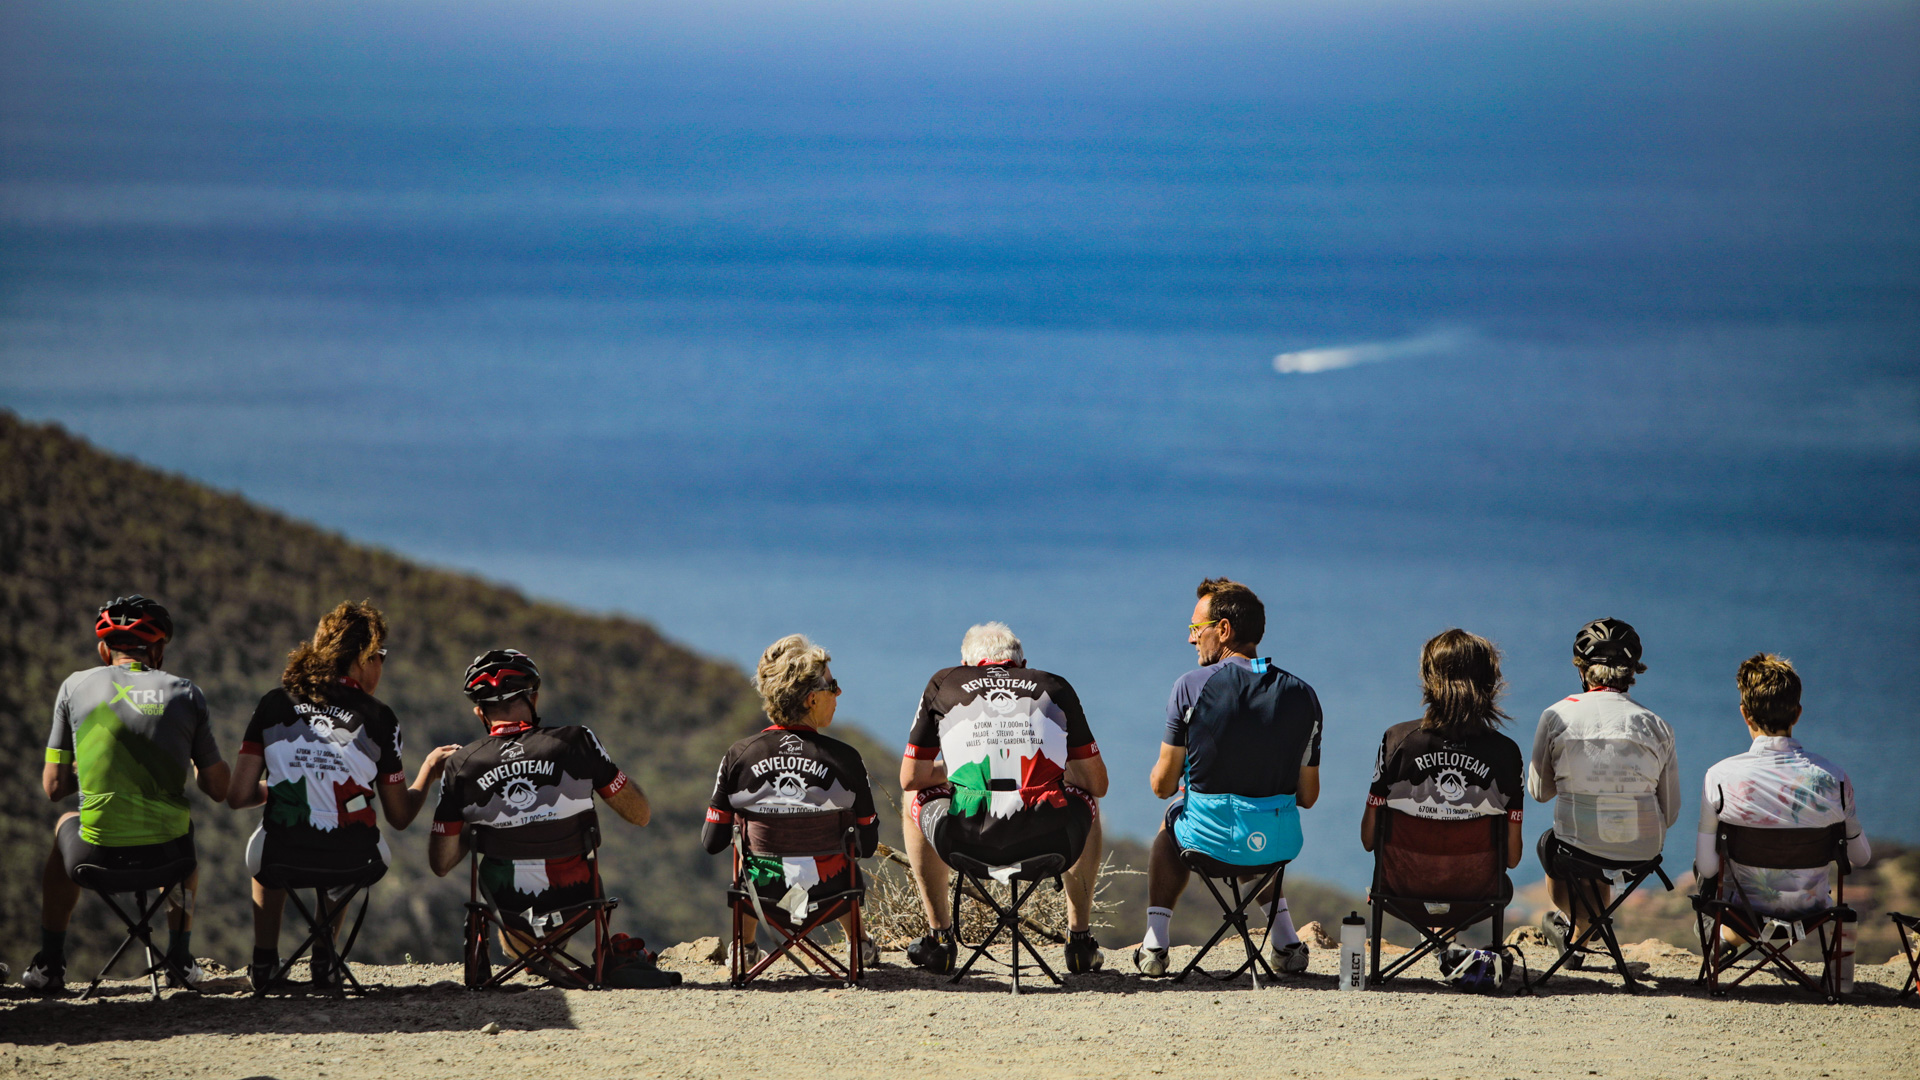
(140, 930)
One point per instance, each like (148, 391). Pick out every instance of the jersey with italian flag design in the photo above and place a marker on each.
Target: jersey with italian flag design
(1006, 733)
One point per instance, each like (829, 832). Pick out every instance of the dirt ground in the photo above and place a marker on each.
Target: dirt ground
(905, 1022)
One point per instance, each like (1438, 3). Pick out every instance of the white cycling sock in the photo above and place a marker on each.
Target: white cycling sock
(1158, 919)
(1283, 923)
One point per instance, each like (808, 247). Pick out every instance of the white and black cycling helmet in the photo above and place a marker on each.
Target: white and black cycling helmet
(1610, 643)
(133, 622)
(500, 675)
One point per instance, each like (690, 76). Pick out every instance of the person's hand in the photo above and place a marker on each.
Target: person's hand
(436, 761)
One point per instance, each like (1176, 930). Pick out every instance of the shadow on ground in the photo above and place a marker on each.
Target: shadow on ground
(124, 1011)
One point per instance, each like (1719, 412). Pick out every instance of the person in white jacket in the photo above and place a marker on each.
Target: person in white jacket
(1610, 763)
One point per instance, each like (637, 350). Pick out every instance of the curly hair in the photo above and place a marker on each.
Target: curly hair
(1460, 684)
(346, 635)
(1770, 692)
(789, 670)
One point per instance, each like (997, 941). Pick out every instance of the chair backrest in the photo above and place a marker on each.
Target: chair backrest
(824, 833)
(562, 839)
(1422, 859)
(1785, 849)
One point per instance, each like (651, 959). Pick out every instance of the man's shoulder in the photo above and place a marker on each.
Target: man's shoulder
(1824, 764)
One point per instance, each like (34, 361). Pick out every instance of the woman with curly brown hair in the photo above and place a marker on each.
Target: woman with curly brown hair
(318, 747)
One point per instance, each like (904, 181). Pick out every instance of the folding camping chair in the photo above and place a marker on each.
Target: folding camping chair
(110, 879)
(1583, 874)
(1021, 879)
(1233, 916)
(1439, 877)
(542, 935)
(334, 887)
(1909, 927)
(760, 843)
(1772, 849)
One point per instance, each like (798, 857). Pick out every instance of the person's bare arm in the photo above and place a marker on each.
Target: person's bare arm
(1307, 791)
(58, 780)
(1368, 822)
(1165, 777)
(1516, 843)
(631, 803)
(1089, 774)
(445, 852)
(917, 774)
(402, 802)
(244, 788)
(214, 780)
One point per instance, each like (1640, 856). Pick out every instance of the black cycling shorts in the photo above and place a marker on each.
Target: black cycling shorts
(1035, 831)
(76, 852)
(1554, 851)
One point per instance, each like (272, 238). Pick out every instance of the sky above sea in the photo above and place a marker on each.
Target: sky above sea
(872, 321)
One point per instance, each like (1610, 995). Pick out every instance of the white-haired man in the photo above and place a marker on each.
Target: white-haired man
(1001, 764)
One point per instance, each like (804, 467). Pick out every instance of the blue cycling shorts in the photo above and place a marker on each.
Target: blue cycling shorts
(1235, 829)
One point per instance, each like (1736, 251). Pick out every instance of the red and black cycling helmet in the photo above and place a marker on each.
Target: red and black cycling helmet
(133, 622)
(1610, 643)
(500, 675)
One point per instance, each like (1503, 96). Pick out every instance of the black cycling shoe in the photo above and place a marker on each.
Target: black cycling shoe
(937, 952)
(42, 977)
(1083, 955)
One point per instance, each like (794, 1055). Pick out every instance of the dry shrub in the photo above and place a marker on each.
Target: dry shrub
(892, 914)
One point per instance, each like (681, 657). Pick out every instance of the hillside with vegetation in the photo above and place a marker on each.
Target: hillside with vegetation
(245, 584)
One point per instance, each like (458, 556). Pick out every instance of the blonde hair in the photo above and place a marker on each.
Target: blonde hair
(346, 635)
(789, 670)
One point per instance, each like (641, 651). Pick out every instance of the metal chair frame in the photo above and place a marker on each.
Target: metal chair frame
(1711, 913)
(1032, 873)
(1233, 914)
(1599, 919)
(743, 899)
(1434, 940)
(139, 927)
(543, 945)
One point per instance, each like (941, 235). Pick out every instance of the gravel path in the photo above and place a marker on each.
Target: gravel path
(904, 1022)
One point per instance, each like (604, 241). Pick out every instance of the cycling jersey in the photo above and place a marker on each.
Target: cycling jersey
(1426, 775)
(1777, 784)
(1611, 763)
(793, 770)
(322, 760)
(1006, 733)
(1248, 728)
(525, 777)
(131, 733)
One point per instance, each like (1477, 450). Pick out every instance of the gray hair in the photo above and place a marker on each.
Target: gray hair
(789, 670)
(1613, 678)
(990, 641)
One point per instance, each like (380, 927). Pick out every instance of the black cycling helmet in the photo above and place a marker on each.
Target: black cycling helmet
(1610, 643)
(500, 675)
(133, 622)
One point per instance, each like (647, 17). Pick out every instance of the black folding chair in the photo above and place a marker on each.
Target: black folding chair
(774, 836)
(1584, 875)
(1439, 877)
(1723, 903)
(159, 879)
(334, 888)
(542, 936)
(1233, 914)
(1909, 927)
(1022, 878)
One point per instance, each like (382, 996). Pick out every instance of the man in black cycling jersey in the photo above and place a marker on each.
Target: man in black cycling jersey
(528, 779)
(1001, 765)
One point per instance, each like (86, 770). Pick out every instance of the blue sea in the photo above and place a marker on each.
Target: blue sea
(872, 321)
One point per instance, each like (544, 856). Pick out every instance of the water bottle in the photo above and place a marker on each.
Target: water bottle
(1353, 952)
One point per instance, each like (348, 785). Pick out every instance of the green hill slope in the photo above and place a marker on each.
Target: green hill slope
(78, 526)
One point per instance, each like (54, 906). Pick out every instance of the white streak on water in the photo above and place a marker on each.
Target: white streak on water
(1309, 361)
